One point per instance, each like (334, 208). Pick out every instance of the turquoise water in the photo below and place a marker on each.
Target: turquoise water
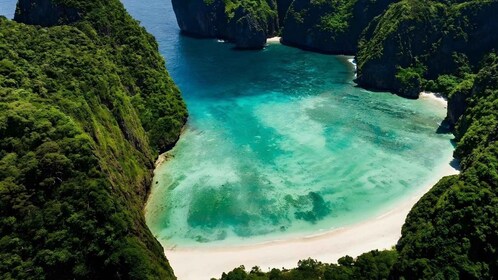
(280, 142)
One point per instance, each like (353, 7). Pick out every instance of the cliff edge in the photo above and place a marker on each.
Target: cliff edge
(86, 107)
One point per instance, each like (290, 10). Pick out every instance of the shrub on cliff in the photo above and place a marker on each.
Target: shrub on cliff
(445, 37)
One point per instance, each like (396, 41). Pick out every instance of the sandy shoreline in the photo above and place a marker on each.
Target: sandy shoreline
(273, 40)
(434, 97)
(381, 232)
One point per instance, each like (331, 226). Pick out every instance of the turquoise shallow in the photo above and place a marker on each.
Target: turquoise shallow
(280, 142)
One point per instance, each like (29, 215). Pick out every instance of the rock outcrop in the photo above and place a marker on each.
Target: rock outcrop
(246, 26)
(330, 27)
(414, 41)
(45, 13)
(456, 107)
(320, 26)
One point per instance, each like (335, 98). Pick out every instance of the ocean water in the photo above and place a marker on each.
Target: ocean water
(280, 142)
(7, 8)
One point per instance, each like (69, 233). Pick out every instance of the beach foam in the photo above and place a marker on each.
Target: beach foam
(434, 97)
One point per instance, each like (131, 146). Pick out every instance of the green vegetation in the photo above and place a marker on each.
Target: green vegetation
(369, 266)
(395, 23)
(444, 37)
(332, 17)
(85, 109)
(411, 77)
(332, 26)
(452, 232)
(338, 19)
(261, 10)
(141, 68)
(257, 9)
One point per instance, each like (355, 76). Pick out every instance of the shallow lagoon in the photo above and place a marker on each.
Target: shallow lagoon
(280, 142)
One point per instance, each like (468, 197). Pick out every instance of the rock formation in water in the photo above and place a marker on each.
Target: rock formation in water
(246, 24)
(325, 26)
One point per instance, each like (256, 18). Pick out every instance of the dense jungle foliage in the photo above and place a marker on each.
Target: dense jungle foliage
(85, 107)
(368, 266)
(415, 41)
(452, 232)
(260, 9)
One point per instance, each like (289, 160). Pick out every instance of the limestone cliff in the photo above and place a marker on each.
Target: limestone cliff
(329, 26)
(246, 24)
(414, 41)
(45, 13)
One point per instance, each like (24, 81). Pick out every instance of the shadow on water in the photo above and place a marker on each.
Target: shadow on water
(444, 128)
(455, 163)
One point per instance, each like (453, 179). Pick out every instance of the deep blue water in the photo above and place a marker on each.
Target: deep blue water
(280, 141)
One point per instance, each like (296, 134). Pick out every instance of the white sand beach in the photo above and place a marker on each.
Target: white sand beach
(273, 40)
(381, 232)
(435, 97)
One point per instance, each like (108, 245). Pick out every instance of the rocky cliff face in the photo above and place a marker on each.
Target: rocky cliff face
(414, 41)
(330, 27)
(394, 41)
(45, 13)
(246, 26)
(198, 18)
(456, 107)
(282, 8)
(324, 26)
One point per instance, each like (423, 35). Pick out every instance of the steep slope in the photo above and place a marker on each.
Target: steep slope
(245, 23)
(329, 26)
(332, 26)
(452, 232)
(415, 41)
(85, 109)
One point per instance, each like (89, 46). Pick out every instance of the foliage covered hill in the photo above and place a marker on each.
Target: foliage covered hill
(415, 41)
(84, 110)
(369, 266)
(247, 23)
(452, 232)
(331, 26)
